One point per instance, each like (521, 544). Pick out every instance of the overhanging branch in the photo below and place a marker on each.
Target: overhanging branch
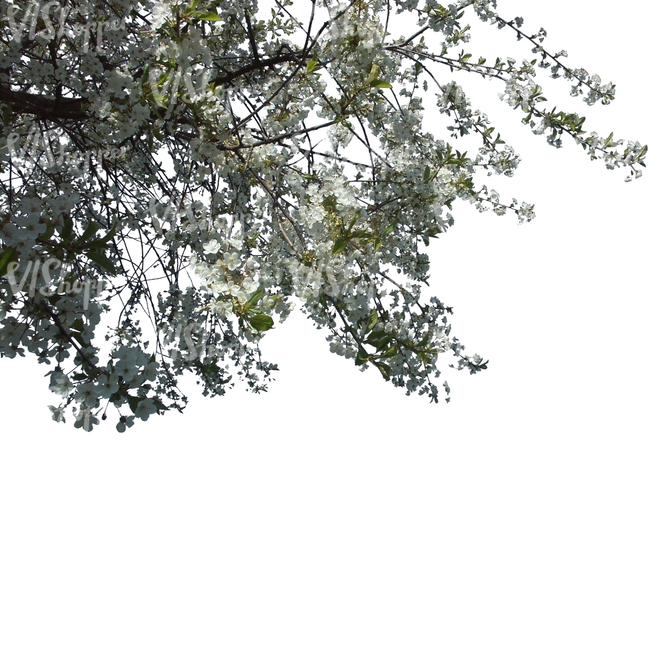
(66, 108)
(47, 108)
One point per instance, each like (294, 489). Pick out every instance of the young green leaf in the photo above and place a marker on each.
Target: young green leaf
(89, 233)
(384, 369)
(261, 322)
(372, 320)
(255, 298)
(6, 257)
(362, 357)
(100, 259)
(379, 339)
(339, 246)
(312, 65)
(374, 73)
(210, 16)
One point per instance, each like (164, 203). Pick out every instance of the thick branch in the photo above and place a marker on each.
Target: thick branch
(48, 108)
(65, 108)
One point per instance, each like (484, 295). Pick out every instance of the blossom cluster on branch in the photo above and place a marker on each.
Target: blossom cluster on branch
(240, 158)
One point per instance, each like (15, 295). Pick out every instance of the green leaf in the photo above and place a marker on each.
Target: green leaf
(389, 229)
(133, 401)
(361, 234)
(380, 83)
(255, 298)
(100, 259)
(108, 236)
(339, 246)
(391, 352)
(145, 75)
(379, 339)
(261, 322)
(312, 65)
(384, 369)
(352, 222)
(374, 73)
(68, 225)
(47, 235)
(5, 258)
(427, 174)
(159, 405)
(372, 320)
(89, 233)
(362, 357)
(78, 337)
(209, 15)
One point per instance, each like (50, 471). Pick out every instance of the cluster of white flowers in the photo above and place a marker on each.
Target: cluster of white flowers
(485, 10)
(521, 89)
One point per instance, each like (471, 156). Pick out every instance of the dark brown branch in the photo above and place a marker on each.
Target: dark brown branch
(256, 66)
(66, 108)
(251, 37)
(48, 108)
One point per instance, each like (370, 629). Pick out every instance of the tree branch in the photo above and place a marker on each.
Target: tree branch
(258, 65)
(48, 108)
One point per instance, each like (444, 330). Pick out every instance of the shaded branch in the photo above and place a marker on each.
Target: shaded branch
(48, 108)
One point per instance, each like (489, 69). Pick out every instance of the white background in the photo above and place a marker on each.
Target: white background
(334, 511)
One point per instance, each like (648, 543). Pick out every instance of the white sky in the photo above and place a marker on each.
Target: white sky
(334, 511)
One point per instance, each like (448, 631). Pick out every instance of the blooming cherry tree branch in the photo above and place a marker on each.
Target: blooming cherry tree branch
(177, 176)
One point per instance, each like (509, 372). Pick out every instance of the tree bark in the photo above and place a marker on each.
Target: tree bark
(47, 108)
